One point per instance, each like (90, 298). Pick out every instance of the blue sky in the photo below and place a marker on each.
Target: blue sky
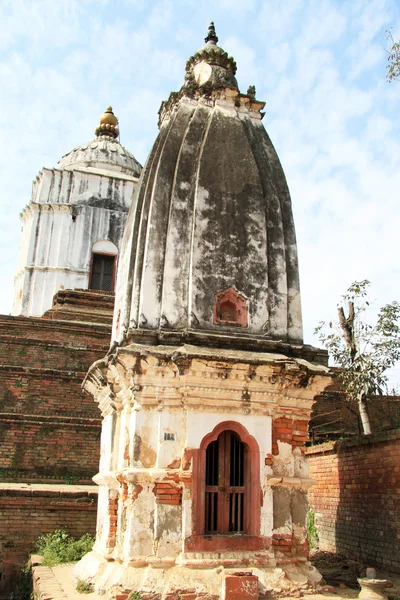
(318, 64)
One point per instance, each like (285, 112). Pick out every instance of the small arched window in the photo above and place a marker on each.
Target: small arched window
(103, 266)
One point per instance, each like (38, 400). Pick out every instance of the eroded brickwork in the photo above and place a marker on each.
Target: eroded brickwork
(291, 431)
(167, 493)
(356, 500)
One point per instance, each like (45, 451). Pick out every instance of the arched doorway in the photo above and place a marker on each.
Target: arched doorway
(103, 266)
(225, 492)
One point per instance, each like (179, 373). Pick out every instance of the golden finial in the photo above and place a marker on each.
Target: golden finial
(108, 124)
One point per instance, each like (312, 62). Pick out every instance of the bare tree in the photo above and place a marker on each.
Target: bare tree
(363, 351)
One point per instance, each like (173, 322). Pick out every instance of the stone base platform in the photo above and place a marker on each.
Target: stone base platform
(116, 581)
(59, 583)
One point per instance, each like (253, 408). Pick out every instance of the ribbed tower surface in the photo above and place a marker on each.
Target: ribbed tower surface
(210, 246)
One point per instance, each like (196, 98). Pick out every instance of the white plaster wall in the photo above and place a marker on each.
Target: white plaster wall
(168, 529)
(115, 437)
(29, 218)
(57, 238)
(102, 524)
(187, 430)
(147, 428)
(123, 444)
(106, 443)
(172, 424)
(267, 510)
(137, 440)
(139, 536)
(54, 186)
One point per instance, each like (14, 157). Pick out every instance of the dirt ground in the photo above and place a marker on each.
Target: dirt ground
(341, 573)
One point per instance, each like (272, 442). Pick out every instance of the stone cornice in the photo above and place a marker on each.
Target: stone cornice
(96, 384)
(198, 378)
(208, 344)
(51, 268)
(226, 98)
(134, 476)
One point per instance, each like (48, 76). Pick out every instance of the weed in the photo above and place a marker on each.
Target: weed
(313, 538)
(23, 584)
(84, 588)
(135, 596)
(58, 547)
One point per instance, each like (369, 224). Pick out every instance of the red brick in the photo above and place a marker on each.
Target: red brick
(241, 587)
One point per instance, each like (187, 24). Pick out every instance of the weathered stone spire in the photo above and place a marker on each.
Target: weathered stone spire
(108, 124)
(210, 247)
(210, 68)
(211, 36)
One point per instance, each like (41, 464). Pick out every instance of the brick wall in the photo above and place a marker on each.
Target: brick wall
(356, 500)
(49, 429)
(29, 511)
(334, 417)
(46, 449)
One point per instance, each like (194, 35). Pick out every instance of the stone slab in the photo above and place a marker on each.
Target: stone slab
(54, 487)
(57, 583)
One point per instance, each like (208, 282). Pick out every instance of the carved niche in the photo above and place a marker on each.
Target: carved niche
(230, 308)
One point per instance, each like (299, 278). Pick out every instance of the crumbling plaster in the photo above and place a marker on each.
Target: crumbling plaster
(158, 404)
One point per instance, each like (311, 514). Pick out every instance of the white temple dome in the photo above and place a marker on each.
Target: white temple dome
(104, 152)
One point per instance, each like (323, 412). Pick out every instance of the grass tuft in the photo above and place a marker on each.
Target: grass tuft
(313, 538)
(59, 547)
(84, 588)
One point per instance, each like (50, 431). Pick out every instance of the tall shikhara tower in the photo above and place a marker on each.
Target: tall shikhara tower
(207, 389)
